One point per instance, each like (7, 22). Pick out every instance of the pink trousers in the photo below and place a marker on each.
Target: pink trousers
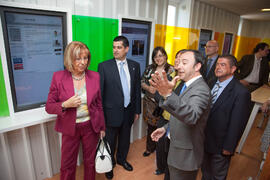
(70, 148)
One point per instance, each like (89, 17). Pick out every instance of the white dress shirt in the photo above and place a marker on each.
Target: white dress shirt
(189, 82)
(253, 77)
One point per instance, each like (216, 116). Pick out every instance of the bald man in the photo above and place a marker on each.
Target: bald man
(208, 69)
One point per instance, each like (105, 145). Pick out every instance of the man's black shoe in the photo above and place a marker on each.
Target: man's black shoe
(126, 166)
(109, 175)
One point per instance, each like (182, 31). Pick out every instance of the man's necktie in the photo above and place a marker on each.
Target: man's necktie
(209, 63)
(215, 92)
(124, 83)
(183, 88)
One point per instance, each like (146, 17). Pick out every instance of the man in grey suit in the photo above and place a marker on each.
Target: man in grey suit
(189, 112)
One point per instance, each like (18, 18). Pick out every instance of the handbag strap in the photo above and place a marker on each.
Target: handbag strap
(97, 148)
(106, 144)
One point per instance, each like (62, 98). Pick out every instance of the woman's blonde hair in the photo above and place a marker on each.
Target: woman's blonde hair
(73, 51)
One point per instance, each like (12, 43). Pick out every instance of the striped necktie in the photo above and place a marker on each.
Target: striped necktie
(124, 83)
(215, 92)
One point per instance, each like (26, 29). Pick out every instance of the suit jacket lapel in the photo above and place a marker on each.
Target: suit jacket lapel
(190, 86)
(224, 95)
(67, 83)
(212, 70)
(115, 73)
(251, 63)
(90, 85)
(131, 70)
(178, 88)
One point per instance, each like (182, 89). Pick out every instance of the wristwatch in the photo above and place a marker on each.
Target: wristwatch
(165, 97)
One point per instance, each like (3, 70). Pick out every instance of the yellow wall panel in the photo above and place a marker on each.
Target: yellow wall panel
(160, 35)
(234, 45)
(174, 39)
(245, 45)
(219, 37)
(193, 40)
(266, 40)
(169, 45)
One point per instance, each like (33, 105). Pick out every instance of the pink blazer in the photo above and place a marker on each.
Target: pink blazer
(62, 88)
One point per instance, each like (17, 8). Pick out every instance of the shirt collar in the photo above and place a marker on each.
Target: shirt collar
(225, 83)
(119, 61)
(189, 82)
(214, 57)
(256, 60)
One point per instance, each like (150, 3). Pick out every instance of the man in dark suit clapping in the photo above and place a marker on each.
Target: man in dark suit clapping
(227, 119)
(121, 97)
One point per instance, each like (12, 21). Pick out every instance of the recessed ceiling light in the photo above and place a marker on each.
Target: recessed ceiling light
(266, 9)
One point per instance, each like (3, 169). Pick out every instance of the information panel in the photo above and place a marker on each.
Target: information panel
(36, 45)
(227, 43)
(138, 34)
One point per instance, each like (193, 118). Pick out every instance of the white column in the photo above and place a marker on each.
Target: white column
(45, 144)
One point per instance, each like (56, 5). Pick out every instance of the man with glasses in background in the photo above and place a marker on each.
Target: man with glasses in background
(208, 69)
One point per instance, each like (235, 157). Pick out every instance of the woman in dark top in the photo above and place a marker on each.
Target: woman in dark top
(159, 59)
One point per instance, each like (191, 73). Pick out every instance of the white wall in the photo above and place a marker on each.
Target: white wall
(155, 9)
(258, 29)
(210, 17)
(183, 13)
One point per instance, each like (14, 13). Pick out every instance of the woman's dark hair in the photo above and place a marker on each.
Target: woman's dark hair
(154, 53)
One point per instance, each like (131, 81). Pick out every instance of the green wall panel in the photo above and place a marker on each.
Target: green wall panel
(97, 34)
(4, 111)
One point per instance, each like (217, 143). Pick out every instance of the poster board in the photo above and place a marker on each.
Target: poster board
(34, 44)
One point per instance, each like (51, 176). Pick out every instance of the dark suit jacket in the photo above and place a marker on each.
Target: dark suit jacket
(245, 66)
(61, 89)
(211, 78)
(112, 93)
(228, 118)
(189, 112)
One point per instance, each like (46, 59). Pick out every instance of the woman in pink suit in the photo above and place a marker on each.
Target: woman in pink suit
(75, 97)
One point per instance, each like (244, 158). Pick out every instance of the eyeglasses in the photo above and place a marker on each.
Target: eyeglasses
(159, 56)
(81, 59)
(209, 46)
